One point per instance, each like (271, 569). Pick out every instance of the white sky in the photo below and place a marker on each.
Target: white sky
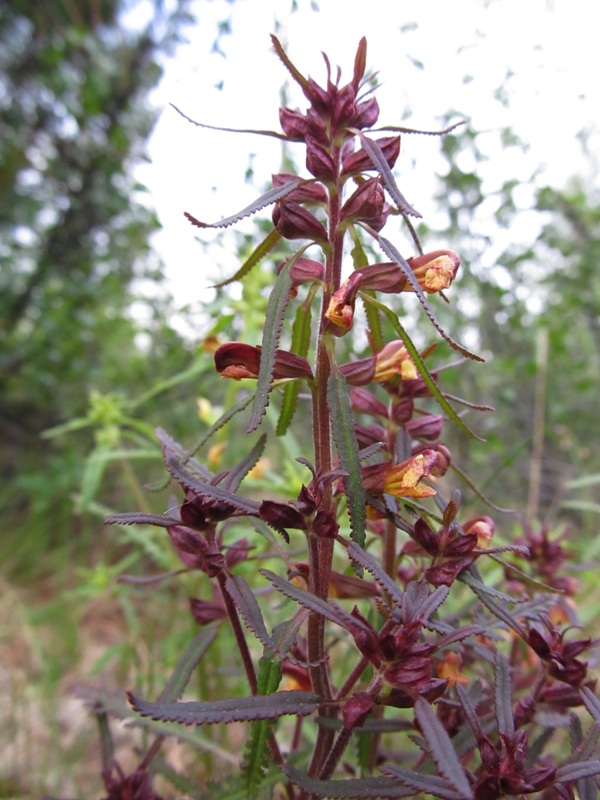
(549, 47)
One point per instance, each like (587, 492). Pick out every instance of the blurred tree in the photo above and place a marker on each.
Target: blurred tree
(74, 228)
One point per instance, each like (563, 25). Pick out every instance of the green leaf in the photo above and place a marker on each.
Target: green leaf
(420, 364)
(503, 695)
(236, 475)
(253, 259)
(344, 435)
(233, 709)
(216, 426)
(256, 754)
(300, 343)
(187, 664)
(278, 301)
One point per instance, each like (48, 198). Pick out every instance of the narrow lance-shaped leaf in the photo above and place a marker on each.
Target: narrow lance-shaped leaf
(366, 561)
(256, 754)
(420, 365)
(392, 253)
(359, 788)
(504, 713)
(441, 748)
(185, 478)
(257, 255)
(418, 782)
(216, 426)
(376, 155)
(326, 608)
(256, 131)
(233, 709)
(300, 343)
(187, 664)
(278, 302)
(401, 129)
(577, 771)
(243, 467)
(268, 198)
(245, 602)
(470, 711)
(342, 423)
(484, 593)
(294, 72)
(141, 518)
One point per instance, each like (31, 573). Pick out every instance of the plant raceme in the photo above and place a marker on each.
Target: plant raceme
(406, 673)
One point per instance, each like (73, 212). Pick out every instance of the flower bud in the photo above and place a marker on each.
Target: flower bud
(308, 192)
(367, 113)
(385, 277)
(293, 124)
(207, 611)
(365, 402)
(344, 108)
(428, 426)
(366, 203)
(483, 527)
(295, 222)
(318, 161)
(361, 161)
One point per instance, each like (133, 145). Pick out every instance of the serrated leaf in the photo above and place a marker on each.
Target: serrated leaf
(256, 131)
(577, 770)
(361, 788)
(503, 696)
(245, 602)
(141, 518)
(266, 199)
(441, 748)
(187, 664)
(421, 367)
(278, 302)
(392, 253)
(344, 435)
(431, 784)
(498, 610)
(326, 608)
(366, 561)
(216, 426)
(237, 474)
(294, 72)
(591, 702)
(256, 753)
(401, 129)
(207, 490)
(234, 709)
(301, 331)
(257, 255)
(375, 153)
(470, 711)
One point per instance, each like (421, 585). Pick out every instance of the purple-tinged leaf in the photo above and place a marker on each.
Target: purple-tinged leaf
(586, 747)
(392, 253)
(326, 608)
(577, 770)
(441, 748)
(207, 490)
(503, 696)
(472, 579)
(496, 607)
(146, 580)
(234, 709)
(257, 255)
(432, 603)
(400, 129)
(419, 782)
(470, 711)
(373, 150)
(278, 302)
(141, 518)
(187, 664)
(266, 199)
(523, 576)
(591, 702)
(459, 634)
(366, 561)
(344, 435)
(237, 474)
(471, 484)
(245, 602)
(360, 788)
(294, 72)
(420, 364)
(258, 132)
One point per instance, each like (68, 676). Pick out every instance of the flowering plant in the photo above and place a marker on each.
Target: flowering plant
(407, 674)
